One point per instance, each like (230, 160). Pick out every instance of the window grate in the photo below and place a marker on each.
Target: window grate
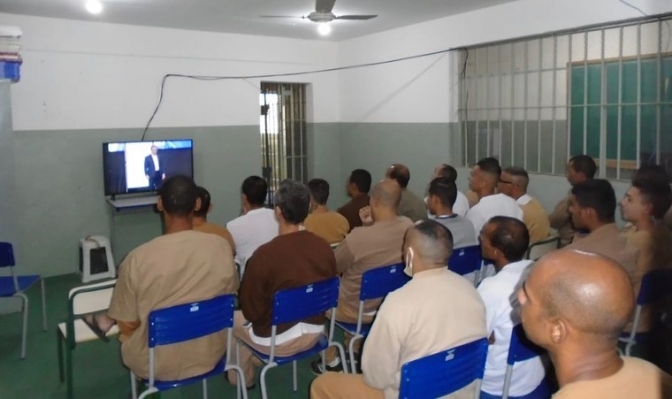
(283, 129)
(603, 91)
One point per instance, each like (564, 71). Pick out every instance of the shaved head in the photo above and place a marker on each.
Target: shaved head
(431, 241)
(593, 294)
(387, 194)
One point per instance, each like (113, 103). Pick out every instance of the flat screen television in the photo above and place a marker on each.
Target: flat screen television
(142, 166)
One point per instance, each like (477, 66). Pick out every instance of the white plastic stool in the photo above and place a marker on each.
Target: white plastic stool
(92, 245)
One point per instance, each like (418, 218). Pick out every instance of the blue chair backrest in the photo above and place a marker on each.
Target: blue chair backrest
(445, 372)
(465, 260)
(378, 282)
(296, 304)
(521, 348)
(6, 254)
(190, 321)
(655, 285)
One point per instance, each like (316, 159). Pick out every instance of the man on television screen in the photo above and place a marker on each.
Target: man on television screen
(154, 169)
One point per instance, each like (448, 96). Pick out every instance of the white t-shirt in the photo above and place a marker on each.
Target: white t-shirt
(491, 206)
(499, 295)
(155, 158)
(460, 207)
(252, 230)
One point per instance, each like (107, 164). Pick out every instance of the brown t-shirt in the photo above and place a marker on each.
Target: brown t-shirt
(332, 226)
(610, 242)
(212, 228)
(637, 379)
(560, 220)
(367, 248)
(351, 210)
(287, 261)
(170, 270)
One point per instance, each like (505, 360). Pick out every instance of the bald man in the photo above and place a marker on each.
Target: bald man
(483, 181)
(417, 320)
(575, 305)
(513, 182)
(378, 243)
(411, 206)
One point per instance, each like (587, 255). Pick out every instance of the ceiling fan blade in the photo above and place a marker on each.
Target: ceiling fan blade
(279, 16)
(356, 17)
(324, 6)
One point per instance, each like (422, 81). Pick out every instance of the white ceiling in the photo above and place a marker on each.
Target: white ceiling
(241, 16)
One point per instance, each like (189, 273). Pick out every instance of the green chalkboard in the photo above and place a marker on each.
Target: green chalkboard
(585, 98)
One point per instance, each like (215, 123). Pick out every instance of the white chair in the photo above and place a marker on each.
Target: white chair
(90, 245)
(541, 248)
(83, 300)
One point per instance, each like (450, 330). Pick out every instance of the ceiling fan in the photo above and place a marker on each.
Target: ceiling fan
(323, 16)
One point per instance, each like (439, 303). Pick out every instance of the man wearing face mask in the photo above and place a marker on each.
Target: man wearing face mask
(418, 319)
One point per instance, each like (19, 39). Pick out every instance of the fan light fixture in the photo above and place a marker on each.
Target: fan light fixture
(324, 28)
(94, 6)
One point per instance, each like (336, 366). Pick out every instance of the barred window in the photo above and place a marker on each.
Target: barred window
(605, 92)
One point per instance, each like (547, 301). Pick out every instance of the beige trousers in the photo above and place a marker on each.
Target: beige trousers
(248, 361)
(343, 386)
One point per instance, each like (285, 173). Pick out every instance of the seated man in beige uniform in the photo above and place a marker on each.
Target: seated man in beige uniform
(378, 243)
(182, 266)
(411, 206)
(294, 258)
(579, 169)
(435, 311)
(592, 206)
(359, 185)
(644, 206)
(201, 219)
(575, 305)
(332, 226)
(513, 182)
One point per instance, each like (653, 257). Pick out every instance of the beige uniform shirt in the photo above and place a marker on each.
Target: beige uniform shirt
(367, 248)
(435, 311)
(331, 226)
(608, 241)
(637, 379)
(535, 219)
(173, 269)
(412, 206)
(655, 252)
(561, 221)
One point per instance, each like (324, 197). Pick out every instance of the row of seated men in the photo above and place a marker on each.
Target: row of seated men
(211, 271)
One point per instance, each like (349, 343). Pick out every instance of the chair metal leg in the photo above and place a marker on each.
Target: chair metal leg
(341, 353)
(205, 389)
(351, 352)
(324, 359)
(262, 378)
(295, 385)
(241, 380)
(24, 333)
(59, 348)
(44, 306)
(68, 368)
(628, 347)
(134, 387)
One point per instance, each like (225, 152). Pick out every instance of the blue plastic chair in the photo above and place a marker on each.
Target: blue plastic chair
(521, 349)
(292, 305)
(655, 286)
(185, 323)
(466, 260)
(445, 372)
(15, 286)
(376, 283)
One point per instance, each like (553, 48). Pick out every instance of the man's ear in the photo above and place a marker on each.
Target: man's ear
(197, 207)
(278, 213)
(559, 330)
(159, 205)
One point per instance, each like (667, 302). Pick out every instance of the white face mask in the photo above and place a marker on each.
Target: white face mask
(409, 263)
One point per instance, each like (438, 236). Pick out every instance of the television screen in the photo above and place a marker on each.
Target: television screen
(138, 167)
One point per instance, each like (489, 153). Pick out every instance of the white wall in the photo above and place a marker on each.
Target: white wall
(84, 75)
(383, 94)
